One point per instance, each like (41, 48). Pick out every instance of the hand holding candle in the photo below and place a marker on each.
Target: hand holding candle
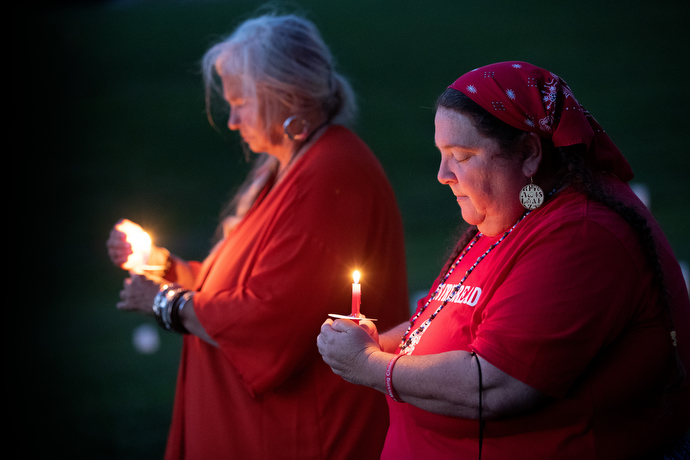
(140, 244)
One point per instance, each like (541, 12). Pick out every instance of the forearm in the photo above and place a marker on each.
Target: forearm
(448, 384)
(434, 383)
(191, 322)
(443, 383)
(181, 272)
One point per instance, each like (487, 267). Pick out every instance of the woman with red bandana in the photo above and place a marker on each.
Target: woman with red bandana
(560, 325)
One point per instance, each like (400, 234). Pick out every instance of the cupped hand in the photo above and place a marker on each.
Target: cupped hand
(118, 247)
(371, 329)
(138, 294)
(346, 347)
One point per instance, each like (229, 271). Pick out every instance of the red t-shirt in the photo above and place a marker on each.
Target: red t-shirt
(262, 296)
(566, 305)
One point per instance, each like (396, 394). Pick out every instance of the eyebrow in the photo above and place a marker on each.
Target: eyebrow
(456, 146)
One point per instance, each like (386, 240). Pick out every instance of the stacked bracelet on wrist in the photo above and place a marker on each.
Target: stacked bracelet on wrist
(167, 306)
(389, 380)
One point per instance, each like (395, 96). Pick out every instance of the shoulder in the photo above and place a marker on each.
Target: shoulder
(340, 162)
(338, 181)
(572, 212)
(575, 233)
(340, 151)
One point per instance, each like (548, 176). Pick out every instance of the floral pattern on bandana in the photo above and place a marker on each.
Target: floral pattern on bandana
(550, 94)
(536, 100)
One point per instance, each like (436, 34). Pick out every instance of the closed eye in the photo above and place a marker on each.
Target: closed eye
(461, 157)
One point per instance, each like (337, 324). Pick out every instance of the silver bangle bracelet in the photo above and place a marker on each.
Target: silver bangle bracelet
(162, 303)
(176, 309)
(185, 298)
(159, 303)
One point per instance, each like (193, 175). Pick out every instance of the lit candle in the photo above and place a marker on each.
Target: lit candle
(356, 295)
(140, 242)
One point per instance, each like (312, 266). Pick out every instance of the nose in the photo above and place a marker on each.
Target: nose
(445, 175)
(233, 119)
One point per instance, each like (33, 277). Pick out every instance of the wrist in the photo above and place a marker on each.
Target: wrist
(160, 257)
(388, 379)
(374, 369)
(168, 305)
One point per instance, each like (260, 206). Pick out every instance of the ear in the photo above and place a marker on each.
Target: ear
(533, 155)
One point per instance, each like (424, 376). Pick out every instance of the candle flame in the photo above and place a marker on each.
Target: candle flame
(355, 276)
(140, 242)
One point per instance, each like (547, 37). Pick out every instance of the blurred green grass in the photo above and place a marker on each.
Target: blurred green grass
(109, 122)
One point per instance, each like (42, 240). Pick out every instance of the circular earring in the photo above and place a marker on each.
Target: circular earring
(287, 128)
(531, 195)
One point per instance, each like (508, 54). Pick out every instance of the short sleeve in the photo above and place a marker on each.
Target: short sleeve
(569, 292)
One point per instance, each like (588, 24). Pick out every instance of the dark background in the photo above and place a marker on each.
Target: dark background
(108, 121)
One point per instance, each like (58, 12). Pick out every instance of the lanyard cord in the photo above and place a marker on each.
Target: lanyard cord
(481, 423)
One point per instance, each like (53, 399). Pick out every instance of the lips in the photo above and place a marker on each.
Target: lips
(460, 199)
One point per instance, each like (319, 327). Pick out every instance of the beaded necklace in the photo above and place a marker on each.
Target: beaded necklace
(409, 343)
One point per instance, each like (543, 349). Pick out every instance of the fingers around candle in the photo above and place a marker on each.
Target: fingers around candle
(342, 325)
(367, 326)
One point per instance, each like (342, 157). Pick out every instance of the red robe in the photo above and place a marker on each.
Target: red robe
(262, 296)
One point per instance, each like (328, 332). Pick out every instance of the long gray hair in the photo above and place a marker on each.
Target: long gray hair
(283, 63)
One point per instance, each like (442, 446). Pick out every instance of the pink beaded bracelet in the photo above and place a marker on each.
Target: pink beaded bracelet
(389, 380)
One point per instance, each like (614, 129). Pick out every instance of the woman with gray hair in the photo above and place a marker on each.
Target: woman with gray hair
(315, 206)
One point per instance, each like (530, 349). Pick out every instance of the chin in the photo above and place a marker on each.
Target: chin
(472, 219)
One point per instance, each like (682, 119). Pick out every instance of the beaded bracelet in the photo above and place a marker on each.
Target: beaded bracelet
(389, 380)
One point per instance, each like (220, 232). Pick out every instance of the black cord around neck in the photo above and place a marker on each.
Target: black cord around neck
(481, 422)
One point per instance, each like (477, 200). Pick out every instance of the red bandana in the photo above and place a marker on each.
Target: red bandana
(533, 99)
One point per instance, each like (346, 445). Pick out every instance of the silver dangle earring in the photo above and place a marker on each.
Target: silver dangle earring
(289, 125)
(531, 195)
